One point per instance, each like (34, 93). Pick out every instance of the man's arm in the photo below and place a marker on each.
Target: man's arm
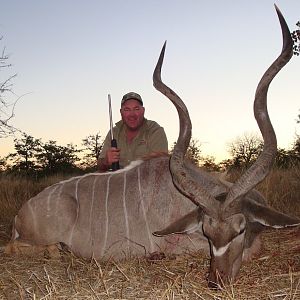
(102, 165)
(102, 161)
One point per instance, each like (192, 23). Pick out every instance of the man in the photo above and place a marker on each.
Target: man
(136, 136)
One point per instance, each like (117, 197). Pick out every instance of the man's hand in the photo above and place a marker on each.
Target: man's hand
(112, 155)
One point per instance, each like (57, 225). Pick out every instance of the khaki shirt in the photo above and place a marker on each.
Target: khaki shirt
(151, 138)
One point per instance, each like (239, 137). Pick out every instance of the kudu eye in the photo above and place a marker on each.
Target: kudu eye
(242, 230)
(208, 226)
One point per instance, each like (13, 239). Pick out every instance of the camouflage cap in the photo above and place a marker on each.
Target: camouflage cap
(131, 95)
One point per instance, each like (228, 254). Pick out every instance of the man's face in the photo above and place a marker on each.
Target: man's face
(132, 113)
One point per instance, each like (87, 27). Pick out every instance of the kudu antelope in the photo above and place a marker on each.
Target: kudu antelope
(114, 214)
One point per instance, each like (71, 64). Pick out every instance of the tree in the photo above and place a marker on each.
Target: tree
(3, 164)
(92, 148)
(24, 160)
(295, 152)
(193, 152)
(296, 39)
(209, 164)
(245, 150)
(288, 158)
(296, 146)
(6, 104)
(34, 158)
(53, 158)
(282, 159)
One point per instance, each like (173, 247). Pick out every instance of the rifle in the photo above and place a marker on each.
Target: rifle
(114, 166)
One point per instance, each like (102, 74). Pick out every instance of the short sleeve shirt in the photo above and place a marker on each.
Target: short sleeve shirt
(151, 138)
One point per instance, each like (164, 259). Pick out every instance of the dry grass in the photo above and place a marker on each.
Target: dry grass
(15, 191)
(281, 189)
(285, 196)
(274, 274)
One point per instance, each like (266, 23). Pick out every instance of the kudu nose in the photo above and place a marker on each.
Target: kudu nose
(213, 285)
(217, 280)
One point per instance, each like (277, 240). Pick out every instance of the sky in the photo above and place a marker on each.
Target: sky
(70, 54)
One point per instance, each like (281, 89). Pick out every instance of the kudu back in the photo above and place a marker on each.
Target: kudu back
(114, 214)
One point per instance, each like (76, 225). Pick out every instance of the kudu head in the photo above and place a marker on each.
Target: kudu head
(227, 220)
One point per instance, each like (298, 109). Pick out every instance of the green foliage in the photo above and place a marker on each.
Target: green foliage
(54, 159)
(23, 159)
(34, 158)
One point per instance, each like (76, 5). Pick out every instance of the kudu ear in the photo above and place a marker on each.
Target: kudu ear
(268, 216)
(189, 223)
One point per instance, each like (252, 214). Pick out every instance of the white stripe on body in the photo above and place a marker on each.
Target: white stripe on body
(125, 211)
(33, 216)
(48, 210)
(152, 248)
(91, 213)
(77, 210)
(106, 216)
(16, 233)
(58, 198)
